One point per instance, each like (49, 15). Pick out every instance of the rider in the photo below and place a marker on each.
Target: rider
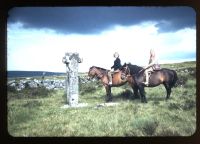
(153, 64)
(117, 65)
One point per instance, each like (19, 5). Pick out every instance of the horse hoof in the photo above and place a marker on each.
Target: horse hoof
(166, 99)
(136, 97)
(108, 100)
(144, 101)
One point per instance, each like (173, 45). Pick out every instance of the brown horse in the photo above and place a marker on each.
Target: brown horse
(163, 76)
(118, 79)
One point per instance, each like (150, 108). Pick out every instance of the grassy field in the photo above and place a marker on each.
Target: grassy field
(38, 112)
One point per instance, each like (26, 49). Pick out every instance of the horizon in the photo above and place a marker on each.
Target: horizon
(88, 69)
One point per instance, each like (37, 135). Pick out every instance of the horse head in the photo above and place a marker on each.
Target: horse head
(125, 71)
(96, 72)
(91, 73)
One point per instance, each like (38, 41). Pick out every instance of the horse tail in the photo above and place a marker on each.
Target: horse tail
(175, 78)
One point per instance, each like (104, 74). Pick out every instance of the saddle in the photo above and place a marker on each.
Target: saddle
(113, 72)
(155, 68)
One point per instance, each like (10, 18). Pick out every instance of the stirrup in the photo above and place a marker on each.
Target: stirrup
(146, 83)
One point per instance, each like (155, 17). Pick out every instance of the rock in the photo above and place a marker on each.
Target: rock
(47, 83)
(20, 86)
(12, 84)
(79, 105)
(106, 104)
(33, 84)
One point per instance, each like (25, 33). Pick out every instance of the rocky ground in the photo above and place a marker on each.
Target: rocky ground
(60, 83)
(34, 83)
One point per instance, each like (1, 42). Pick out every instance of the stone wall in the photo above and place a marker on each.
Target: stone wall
(47, 83)
(26, 83)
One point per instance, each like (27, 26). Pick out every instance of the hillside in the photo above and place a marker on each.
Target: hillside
(14, 74)
(38, 111)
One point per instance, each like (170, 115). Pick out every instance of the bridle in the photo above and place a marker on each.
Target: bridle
(125, 72)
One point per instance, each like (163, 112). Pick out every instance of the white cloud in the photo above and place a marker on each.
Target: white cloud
(31, 49)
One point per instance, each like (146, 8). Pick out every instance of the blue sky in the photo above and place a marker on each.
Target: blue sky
(39, 37)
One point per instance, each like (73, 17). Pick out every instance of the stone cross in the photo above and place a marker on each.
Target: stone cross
(71, 60)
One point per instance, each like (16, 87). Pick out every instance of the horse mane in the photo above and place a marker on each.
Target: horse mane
(98, 68)
(134, 69)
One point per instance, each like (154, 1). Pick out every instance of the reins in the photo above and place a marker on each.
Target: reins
(99, 74)
(141, 70)
(129, 74)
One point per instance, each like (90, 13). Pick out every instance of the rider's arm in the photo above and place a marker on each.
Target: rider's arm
(151, 64)
(113, 66)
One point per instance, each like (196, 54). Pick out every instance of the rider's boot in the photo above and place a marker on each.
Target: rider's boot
(147, 80)
(109, 78)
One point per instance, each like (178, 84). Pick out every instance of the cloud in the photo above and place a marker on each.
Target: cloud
(33, 49)
(86, 20)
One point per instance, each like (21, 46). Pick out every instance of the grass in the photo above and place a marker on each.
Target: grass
(41, 114)
(29, 93)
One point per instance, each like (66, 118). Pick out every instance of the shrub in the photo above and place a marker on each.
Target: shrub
(89, 87)
(11, 89)
(32, 104)
(127, 94)
(189, 104)
(166, 131)
(190, 84)
(184, 104)
(174, 106)
(38, 92)
(146, 125)
(181, 80)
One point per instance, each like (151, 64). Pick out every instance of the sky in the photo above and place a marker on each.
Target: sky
(39, 37)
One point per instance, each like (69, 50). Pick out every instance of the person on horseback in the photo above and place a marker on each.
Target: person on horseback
(153, 65)
(117, 65)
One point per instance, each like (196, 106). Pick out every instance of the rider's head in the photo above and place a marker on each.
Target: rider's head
(152, 52)
(116, 55)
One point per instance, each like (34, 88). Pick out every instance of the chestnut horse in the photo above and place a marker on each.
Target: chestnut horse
(163, 76)
(118, 79)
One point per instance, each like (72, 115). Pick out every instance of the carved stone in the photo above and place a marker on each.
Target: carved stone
(71, 60)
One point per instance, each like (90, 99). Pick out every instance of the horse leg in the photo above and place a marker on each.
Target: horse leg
(142, 93)
(135, 91)
(168, 89)
(108, 94)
